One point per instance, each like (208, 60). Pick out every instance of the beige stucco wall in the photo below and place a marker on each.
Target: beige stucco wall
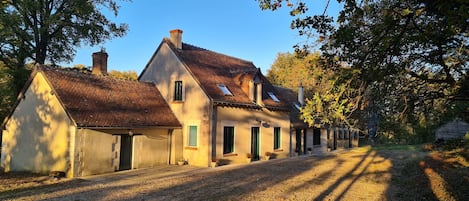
(322, 147)
(151, 150)
(37, 134)
(243, 120)
(163, 70)
(98, 151)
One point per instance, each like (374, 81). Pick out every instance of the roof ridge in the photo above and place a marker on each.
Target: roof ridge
(87, 73)
(222, 54)
(167, 40)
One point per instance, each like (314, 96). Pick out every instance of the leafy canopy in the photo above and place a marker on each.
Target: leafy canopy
(408, 58)
(50, 30)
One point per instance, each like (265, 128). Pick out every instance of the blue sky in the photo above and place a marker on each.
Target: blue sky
(236, 28)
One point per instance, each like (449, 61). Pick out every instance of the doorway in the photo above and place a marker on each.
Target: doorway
(125, 161)
(255, 143)
(316, 136)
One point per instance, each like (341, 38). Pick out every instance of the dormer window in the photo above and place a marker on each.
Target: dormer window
(225, 90)
(272, 95)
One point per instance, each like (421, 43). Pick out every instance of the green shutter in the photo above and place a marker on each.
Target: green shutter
(193, 136)
(277, 138)
(228, 139)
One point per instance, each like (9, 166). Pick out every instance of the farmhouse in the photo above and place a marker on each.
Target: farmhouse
(228, 110)
(190, 103)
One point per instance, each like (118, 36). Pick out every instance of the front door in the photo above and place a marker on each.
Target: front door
(298, 141)
(316, 136)
(125, 162)
(255, 143)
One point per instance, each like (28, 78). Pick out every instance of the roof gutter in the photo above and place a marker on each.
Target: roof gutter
(127, 127)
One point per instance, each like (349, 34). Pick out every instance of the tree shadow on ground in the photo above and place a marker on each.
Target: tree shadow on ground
(433, 176)
(366, 175)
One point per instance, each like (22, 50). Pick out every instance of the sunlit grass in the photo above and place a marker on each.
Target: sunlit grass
(392, 147)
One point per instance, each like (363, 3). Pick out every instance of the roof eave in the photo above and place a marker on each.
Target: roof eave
(128, 127)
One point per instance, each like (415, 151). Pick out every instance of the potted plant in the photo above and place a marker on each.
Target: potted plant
(214, 163)
(181, 161)
(267, 155)
(297, 152)
(310, 151)
(248, 157)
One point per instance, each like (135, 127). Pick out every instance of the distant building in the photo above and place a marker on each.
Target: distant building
(455, 129)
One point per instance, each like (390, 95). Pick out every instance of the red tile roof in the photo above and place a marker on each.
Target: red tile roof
(211, 68)
(101, 101)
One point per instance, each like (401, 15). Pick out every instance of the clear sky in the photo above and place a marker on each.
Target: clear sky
(236, 28)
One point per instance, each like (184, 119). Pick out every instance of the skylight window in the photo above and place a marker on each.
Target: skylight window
(297, 106)
(225, 90)
(272, 95)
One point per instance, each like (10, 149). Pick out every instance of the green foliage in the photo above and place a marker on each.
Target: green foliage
(409, 61)
(331, 99)
(51, 30)
(6, 92)
(291, 71)
(124, 75)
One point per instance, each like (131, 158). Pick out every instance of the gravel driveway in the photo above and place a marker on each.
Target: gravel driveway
(350, 175)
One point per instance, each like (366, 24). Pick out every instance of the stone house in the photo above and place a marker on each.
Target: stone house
(227, 108)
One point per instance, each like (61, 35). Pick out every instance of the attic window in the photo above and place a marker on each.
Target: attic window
(225, 90)
(297, 106)
(272, 95)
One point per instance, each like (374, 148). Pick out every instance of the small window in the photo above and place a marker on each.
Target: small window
(272, 95)
(228, 139)
(192, 136)
(297, 106)
(225, 90)
(178, 91)
(277, 138)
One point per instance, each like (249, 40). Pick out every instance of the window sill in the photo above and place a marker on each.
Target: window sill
(191, 148)
(278, 150)
(230, 154)
(177, 101)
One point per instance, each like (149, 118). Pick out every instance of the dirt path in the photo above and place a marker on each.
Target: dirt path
(361, 174)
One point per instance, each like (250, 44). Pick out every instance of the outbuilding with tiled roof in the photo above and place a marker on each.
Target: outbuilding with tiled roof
(88, 123)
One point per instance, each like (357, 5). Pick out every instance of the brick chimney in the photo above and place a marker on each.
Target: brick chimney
(176, 38)
(301, 95)
(99, 63)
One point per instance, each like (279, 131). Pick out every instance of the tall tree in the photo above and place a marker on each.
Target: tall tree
(50, 30)
(330, 100)
(290, 71)
(413, 53)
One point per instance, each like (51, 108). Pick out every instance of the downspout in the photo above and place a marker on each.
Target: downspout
(213, 135)
(170, 142)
